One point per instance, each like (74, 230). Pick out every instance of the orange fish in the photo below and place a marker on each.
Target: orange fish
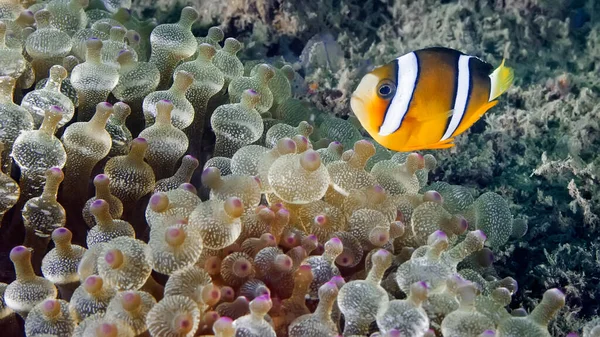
(425, 98)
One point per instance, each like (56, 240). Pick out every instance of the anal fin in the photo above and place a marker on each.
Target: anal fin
(470, 119)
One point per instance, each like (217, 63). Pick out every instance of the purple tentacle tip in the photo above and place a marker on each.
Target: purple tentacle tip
(335, 240)
(19, 249)
(98, 203)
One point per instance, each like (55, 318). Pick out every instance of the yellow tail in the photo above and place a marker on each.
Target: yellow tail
(501, 79)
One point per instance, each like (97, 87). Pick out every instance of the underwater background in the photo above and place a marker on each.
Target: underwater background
(537, 151)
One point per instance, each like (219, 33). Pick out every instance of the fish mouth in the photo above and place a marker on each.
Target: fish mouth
(357, 105)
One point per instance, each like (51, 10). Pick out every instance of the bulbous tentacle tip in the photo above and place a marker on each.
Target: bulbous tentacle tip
(61, 235)
(234, 207)
(479, 235)
(555, 294)
(55, 172)
(175, 236)
(131, 300)
(93, 283)
(159, 202)
(394, 333)
(107, 330)
(101, 179)
(98, 205)
(139, 141)
(439, 235)
(114, 258)
(433, 196)
(189, 187)
(19, 253)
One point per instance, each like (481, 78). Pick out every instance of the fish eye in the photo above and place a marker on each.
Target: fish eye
(386, 89)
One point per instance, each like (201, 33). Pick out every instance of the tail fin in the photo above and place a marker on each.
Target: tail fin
(501, 79)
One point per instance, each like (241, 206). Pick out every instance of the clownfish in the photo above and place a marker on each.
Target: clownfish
(425, 98)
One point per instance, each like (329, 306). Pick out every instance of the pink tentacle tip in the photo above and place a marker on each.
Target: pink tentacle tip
(320, 219)
(19, 250)
(458, 278)
(479, 233)
(107, 329)
(208, 170)
(394, 333)
(188, 187)
(382, 252)
(50, 305)
(174, 232)
(311, 155)
(155, 199)
(305, 267)
(166, 101)
(435, 195)
(440, 234)
(424, 284)
(61, 230)
(107, 104)
(236, 202)
(331, 284)
(337, 279)
(91, 280)
(345, 260)
(112, 256)
(336, 241)
(140, 140)
(129, 296)
(252, 92)
(215, 293)
(100, 177)
(225, 319)
(464, 224)
(109, 257)
(185, 324)
(264, 297)
(98, 203)
(56, 170)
